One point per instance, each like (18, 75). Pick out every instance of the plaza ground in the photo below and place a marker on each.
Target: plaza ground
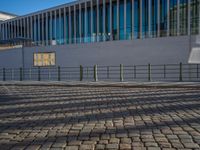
(117, 116)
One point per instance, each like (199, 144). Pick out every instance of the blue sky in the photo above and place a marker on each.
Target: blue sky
(22, 7)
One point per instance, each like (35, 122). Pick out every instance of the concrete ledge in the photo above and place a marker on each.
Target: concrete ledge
(104, 84)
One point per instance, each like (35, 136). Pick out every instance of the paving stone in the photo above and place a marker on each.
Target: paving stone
(61, 117)
(71, 148)
(125, 146)
(191, 145)
(112, 146)
(100, 146)
(86, 147)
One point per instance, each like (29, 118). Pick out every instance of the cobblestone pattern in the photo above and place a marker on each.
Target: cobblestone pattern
(86, 118)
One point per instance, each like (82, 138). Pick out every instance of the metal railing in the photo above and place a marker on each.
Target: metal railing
(165, 72)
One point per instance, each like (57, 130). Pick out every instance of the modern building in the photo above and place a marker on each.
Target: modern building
(104, 32)
(5, 16)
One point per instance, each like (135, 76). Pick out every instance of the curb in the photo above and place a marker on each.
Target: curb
(108, 84)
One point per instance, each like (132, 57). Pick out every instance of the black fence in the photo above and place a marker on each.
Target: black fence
(167, 72)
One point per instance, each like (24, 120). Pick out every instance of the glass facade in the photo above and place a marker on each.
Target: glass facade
(103, 20)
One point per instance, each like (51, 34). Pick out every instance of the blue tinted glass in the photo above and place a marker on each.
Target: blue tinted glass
(136, 19)
(121, 20)
(128, 20)
(114, 20)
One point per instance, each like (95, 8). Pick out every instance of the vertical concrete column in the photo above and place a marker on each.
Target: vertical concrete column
(11, 29)
(65, 23)
(0, 32)
(47, 28)
(199, 17)
(70, 28)
(91, 6)
(18, 27)
(168, 15)
(6, 27)
(3, 31)
(117, 19)
(86, 22)
(39, 29)
(14, 29)
(178, 17)
(43, 42)
(125, 19)
(140, 19)
(133, 17)
(189, 17)
(8, 30)
(75, 23)
(104, 20)
(149, 18)
(55, 18)
(97, 19)
(158, 19)
(24, 25)
(28, 27)
(80, 31)
(6, 24)
(111, 33)
(31, 28)
(35, 32)
(51, 23)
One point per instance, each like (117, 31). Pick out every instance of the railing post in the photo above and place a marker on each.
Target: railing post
(81, 73)
(21, 74)
(4, 74)
(87, 72)
(135, 72)
(180, 72)
(58, 73)
(12, 74)
(121, 72)
(164, 71)
(39, 74)
(30, 74)
(197, 71)
(108, 72)
(49, 74)
(149, 72)
(95, 73)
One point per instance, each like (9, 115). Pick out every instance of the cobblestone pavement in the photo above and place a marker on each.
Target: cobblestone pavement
(72, 118)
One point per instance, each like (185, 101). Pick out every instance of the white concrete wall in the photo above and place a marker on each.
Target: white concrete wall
(167, 50)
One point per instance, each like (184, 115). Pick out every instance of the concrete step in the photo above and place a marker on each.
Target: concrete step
(194, 57)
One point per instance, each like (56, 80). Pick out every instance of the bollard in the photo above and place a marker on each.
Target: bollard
(39, 74)
(81, 73)
(121, 72)
(149, 72)
(95, 73)
(4, 74)
(21, 74)
(58, 73)
(180, 72)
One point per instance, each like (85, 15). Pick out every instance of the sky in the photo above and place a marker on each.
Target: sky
(23, 7)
